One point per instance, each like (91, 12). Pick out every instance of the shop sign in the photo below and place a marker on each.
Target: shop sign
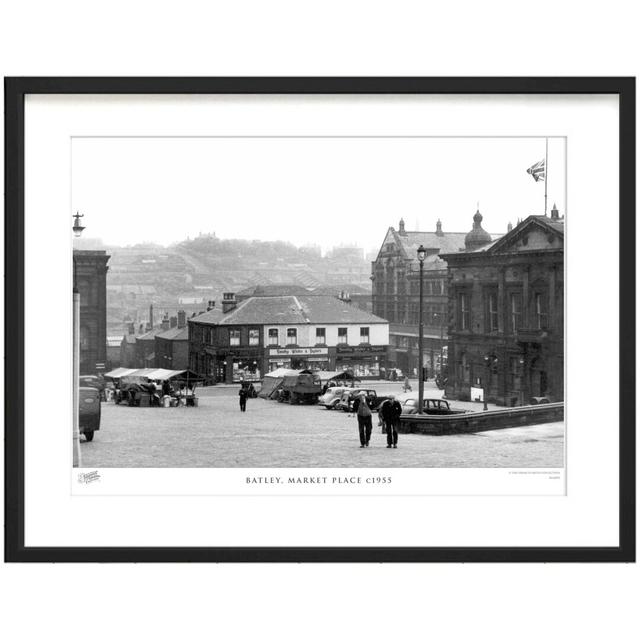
(363, 350)
(302, 351)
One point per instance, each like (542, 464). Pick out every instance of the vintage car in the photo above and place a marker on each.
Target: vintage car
(431, 407)
(346, 400)
(330, 399)
(89, 411)
(94, 381)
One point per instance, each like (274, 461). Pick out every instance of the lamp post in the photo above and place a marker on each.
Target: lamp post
(422, 252)
(77, 460)
(488, 360)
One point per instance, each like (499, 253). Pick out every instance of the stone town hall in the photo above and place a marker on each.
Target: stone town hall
(501, 304)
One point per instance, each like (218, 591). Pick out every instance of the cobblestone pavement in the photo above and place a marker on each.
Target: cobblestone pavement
(269, 434)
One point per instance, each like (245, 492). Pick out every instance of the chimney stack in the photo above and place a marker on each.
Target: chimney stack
(131, 328)
(182, 319)
(439, 228)
(555, 214)
(228, 302)
(211, 304)
(150, 316)
(401, 230)
(173, 322)
(141, 328)
(165, 322)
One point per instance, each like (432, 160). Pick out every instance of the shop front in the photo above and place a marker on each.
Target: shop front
(241, 365)
(363, 360)
(313, 358)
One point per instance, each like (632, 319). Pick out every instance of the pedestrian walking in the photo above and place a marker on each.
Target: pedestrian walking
(363, 412)
(381, 420)
(391, 410)
(407, 385)
(243, 398)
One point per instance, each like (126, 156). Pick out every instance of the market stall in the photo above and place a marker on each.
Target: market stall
(273, 380)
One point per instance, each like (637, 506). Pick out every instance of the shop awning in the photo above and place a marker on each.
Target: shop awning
(325, 376)
(281, 373)
(152, 374)
(119, 373)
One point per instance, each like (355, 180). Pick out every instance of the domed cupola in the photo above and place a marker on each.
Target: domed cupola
(477, 237)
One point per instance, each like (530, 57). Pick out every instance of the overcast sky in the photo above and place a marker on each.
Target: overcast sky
(326, 191)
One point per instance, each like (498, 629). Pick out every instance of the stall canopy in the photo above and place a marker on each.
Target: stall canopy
(134, 375)
(325, 376)
(272, 381)
(118, 373)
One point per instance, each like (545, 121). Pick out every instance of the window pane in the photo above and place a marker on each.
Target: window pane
(516, 312)
(273, 336)
(292, 336)
(364, 334)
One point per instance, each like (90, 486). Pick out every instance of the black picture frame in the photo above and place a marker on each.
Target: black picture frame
(15, 91)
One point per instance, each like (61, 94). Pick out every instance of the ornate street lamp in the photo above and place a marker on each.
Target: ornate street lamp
(77, 460)
(77, 226)
(422, 254)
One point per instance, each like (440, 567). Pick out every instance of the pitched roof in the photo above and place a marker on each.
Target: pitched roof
(556, 226)
(273, 290)
(151, 335)
(293, 310)
(174, 334)
(446, 243)
(501, 243)
(208, 317)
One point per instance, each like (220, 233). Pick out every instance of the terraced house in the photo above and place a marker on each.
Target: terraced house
(242, 341)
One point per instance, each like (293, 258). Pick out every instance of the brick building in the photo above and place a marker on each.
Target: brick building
(506, 313)
(90, 269)
(396, 294)
(245, 340)
(172, 345)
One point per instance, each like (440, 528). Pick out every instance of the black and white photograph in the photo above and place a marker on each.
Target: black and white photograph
(319, 301)
(328, 306)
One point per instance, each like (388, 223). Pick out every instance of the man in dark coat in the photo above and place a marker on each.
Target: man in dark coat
(243, 398)
(363, 413)
(391, 410)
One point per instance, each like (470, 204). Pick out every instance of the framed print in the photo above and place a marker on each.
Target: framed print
(320, 319)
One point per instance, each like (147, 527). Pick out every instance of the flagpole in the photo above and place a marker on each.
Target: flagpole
(546, 172)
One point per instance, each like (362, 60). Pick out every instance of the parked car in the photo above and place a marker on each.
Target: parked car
(96, 382)
(346, 400)
(89, 411)
(431, 407)
(540, 400)
(331, 397)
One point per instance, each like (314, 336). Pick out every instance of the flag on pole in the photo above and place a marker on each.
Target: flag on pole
(538, 171)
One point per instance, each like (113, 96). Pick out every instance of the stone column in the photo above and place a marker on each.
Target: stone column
(502, 310)
(552, 299)
(525, 298)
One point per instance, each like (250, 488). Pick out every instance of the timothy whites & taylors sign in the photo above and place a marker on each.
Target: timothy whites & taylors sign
(302, 351)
